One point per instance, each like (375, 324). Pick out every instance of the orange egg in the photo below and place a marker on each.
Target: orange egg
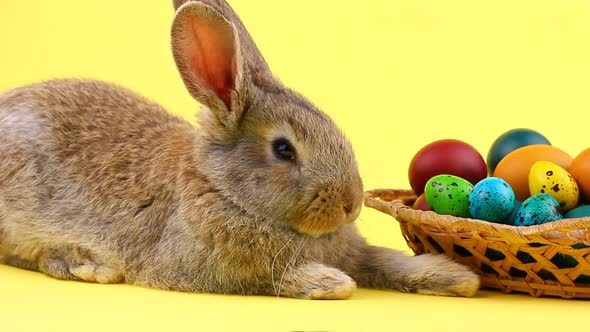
(514, 168)
(580, 170)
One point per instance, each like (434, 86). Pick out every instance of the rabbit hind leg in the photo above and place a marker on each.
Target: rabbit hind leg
(46, 263)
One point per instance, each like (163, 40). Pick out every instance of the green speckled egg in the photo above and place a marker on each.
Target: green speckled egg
(448, 194)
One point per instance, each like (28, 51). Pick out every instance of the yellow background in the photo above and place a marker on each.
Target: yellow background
(395, 75)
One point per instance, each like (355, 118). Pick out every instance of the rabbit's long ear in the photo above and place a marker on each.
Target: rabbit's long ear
(216, 57)
(207, 53)
(259, 71)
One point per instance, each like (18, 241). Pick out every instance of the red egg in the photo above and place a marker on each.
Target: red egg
(421, 204)
(447, 156)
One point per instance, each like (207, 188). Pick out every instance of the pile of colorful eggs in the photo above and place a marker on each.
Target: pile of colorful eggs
(525, 181)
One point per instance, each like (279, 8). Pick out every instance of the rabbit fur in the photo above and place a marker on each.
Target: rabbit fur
(99, 184)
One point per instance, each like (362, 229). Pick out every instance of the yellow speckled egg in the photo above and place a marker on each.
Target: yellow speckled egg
(549, 178)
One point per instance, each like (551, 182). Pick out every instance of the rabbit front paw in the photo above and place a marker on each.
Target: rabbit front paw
(97, 273)
(55, 267)
(68, 265)
(318, 282)
(442, 276)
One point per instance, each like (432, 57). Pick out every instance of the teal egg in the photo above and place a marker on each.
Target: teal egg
(510, 219)
(536, 210)
(492, 199)
(448, 194)
(578, 212)
(510, 141)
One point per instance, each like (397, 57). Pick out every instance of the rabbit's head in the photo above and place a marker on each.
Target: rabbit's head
(265, 147)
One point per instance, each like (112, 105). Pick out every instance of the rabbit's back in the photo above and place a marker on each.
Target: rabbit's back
(85, 161)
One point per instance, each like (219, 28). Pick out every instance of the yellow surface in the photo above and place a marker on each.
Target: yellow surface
(395, 75)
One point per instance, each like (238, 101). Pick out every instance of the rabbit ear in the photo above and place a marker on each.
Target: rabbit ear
(259, 72)
(207, 53)
(178, 3)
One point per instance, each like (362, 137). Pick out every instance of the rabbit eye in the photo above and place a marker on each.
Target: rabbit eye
(283, 149)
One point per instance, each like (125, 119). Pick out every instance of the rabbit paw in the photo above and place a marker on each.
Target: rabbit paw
(56, 268)
(319, 282)
(67, 265)
(443, 276)
(101, 273)
(332, 286)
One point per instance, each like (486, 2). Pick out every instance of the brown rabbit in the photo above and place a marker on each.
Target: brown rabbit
(99, 184)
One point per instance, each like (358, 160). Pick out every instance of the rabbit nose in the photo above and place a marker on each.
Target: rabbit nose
(348, 208)
(352, 198)
(352, 207)
(352, 212)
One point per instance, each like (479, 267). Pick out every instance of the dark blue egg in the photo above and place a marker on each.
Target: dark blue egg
(510, 141)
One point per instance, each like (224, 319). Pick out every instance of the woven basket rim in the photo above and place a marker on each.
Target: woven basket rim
(395, 202)
(523, 259)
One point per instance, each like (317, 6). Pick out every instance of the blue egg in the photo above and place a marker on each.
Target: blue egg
(536, 210)
(579, 212)
(492, 199)
(512, 216)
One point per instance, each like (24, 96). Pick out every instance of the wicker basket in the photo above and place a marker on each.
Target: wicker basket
(552, 259)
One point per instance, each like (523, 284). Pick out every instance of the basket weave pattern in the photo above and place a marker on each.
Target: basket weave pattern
(552, 259)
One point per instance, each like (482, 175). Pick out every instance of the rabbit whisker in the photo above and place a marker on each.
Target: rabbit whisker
(272, 268)
(292, 261)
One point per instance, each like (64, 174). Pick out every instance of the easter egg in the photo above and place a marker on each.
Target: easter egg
(578, 212)
(448, 194)
(510, 219)
(548, 178)
(421, 204)
(537, 210)
(580, 170)
(491, 199)
(510, 141)
(515, 167)
(447, 156)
